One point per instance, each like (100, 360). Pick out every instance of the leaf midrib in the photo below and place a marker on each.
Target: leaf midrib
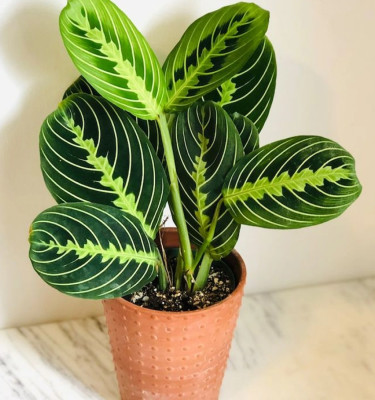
(113, 53)
(198, 176)
(267, 186)
(185, 83)
(89, 249)
(114, 184)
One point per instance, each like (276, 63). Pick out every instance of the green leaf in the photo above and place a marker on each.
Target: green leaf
(80, 85)
(113, 56)
(152, 131)
(150, 128)
(292, 183)
(206, 145)
(248, 132)
(251, 91)
(92, 151)
(92, 251)
(213, 49)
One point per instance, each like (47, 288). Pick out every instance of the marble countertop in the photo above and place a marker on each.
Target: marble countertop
(312, 343)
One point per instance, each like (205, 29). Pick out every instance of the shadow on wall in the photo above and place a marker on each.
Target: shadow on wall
(32, 50)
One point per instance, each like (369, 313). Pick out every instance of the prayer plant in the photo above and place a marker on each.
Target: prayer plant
(130, 135)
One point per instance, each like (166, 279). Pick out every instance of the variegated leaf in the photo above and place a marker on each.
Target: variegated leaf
(150, 128)
(248, 132)
(113, 56)
(213, 49)
(80, 85)
(92, 151)
(92, 251)
(251, 91)
(292, 183)
(206, 145)
(152, 131)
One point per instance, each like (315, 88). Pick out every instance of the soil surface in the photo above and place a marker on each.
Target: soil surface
(219, 286)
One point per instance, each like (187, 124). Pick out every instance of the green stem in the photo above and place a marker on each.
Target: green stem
(210, 235)
(179, 271)
(163, 277)
(175, 198)
(204, 270)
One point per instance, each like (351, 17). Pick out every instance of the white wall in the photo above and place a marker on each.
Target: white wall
(325, 86)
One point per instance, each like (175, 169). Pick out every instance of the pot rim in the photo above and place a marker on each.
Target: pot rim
(183, 314)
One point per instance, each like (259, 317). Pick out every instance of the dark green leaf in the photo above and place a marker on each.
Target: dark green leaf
(152, 131)
(150, 128)
(251, 91)
(213, 49)
(292, 183)
(206, 145)
(92, 151)
(248, 132)
(92, 251)
(80, 85)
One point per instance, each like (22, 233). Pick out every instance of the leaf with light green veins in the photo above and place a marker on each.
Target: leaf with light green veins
(250, 92)
(206, 145)
(92, 251)
(248, 132)
(149, 127)
(292, 183)
(152, 131)
(92, 151)
(80, 85)
(113, 56)
(213, 49)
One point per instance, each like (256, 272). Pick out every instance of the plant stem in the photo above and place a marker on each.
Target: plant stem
(209, 237)
(163, 277)
(175, 198)
(204, 270)
(179, 271)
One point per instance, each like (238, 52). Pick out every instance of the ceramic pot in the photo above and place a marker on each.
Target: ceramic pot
(172, 355)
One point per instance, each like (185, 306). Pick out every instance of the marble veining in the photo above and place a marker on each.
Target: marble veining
(311, 343)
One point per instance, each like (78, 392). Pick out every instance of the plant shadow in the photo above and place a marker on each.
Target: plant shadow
(34, 55)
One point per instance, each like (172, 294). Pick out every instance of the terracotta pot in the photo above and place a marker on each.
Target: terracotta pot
(172, 355)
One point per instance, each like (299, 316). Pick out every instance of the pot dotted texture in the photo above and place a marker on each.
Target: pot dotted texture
(173, 355)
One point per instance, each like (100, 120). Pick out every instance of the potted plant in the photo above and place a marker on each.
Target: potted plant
(131, 135)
